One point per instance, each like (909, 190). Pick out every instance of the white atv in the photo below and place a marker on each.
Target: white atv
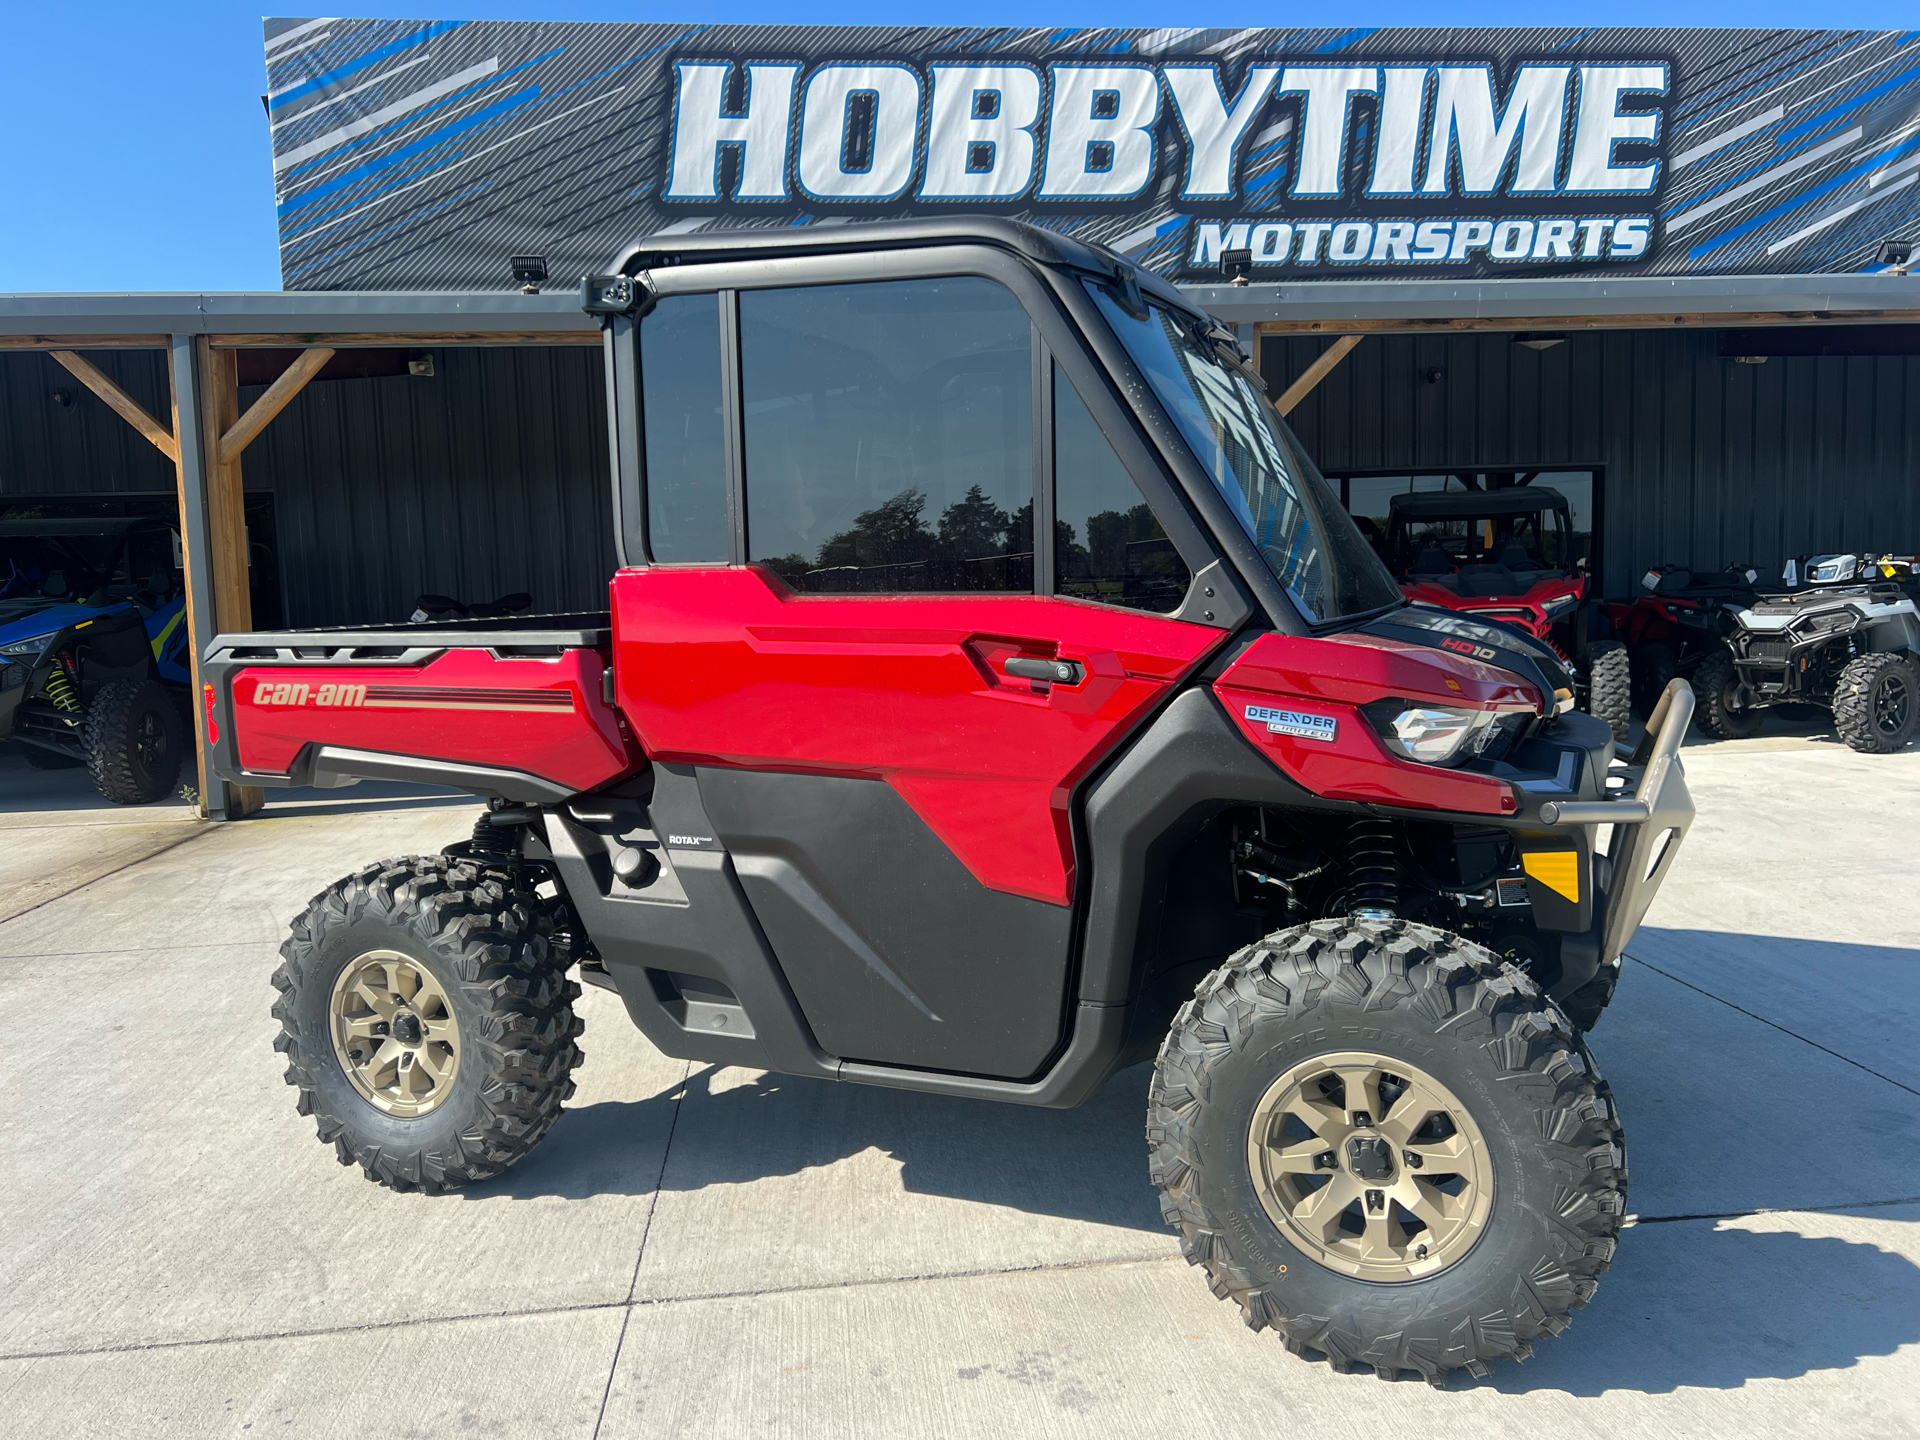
(1844, 635)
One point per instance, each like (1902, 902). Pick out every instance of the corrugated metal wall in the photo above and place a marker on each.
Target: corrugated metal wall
(489, 476)
(1707, 461)
(49, 448)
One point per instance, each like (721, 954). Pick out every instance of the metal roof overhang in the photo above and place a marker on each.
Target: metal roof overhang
(279, 318)
(1336, 307)
(345, 318)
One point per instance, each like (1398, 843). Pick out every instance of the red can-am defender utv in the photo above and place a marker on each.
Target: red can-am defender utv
(1507, 555)
(858, 781)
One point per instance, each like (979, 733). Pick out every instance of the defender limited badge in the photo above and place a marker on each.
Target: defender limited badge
(1295, 722)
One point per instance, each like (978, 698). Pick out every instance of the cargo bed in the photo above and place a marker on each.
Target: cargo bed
(517, 708)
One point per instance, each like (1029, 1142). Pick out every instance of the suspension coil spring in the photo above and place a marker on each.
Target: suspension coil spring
(1373, 871)
(60, 686)
(494, 842)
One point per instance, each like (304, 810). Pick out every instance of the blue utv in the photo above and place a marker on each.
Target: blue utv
(93, 650)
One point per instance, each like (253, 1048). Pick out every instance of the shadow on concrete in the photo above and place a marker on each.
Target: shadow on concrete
(1088, 1163)
(26, 789)
(1690, 1306)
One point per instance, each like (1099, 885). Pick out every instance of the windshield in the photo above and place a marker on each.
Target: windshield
(64, 568)
(1426, 545)
(1307, 539)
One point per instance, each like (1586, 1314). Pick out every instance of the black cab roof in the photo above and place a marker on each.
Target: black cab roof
(767, 242)
(1454, 504)
(81, 527)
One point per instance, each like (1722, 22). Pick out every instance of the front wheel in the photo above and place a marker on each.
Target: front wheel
(426, 1021)
(1385, 1143)
(134, 741)
(1875, 705)
(1718, 708)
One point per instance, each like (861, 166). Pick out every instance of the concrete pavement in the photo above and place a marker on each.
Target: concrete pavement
(701, 1252)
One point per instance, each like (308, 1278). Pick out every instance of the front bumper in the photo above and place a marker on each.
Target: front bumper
(1649, 817)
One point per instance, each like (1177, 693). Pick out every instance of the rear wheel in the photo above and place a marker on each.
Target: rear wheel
(1718, 708)
(1651, 665)
(426, 1021)
(1386, 1144)
(1610, 686)
(1876, 703)
(134, 741)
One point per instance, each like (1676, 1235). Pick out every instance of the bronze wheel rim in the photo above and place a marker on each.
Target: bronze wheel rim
(394, 1033)
(1370, 1166)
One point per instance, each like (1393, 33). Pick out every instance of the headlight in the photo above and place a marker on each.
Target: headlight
(1556, 608)
(32, 645)
(1440, 734)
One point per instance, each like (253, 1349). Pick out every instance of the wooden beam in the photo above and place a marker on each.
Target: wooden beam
(1315, 373)
(226, 513)
(272, 401)
(386, 339)
(83, 342)
(1727, 320)
(124, 404)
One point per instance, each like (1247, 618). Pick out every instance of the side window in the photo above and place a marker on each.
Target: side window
(680, 382)
(1107, 545)
(889, 436)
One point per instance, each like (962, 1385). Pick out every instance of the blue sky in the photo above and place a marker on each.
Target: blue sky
(136, 152)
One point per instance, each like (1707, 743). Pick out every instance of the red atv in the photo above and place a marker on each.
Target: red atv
(855, 780)
(1506, 555)
(1681, 623)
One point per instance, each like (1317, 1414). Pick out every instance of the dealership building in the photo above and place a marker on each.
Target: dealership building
(1666, 272)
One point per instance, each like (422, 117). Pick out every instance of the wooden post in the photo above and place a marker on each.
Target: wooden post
(1315, 373)
(226, 518)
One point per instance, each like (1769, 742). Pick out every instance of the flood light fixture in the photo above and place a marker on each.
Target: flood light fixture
(529, 271)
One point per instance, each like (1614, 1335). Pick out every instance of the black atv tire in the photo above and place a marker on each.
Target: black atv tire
(1651, 665)
(1551, 1143)
(1877, 702)
(486, 947)
(134, 741)
(1610, 686)
(1713, 683)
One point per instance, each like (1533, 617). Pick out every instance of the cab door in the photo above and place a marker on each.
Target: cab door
(887, 689)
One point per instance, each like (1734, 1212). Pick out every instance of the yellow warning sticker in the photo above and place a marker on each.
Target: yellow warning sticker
(1558, 870)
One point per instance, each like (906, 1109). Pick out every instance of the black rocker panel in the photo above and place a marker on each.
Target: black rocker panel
(895, 952)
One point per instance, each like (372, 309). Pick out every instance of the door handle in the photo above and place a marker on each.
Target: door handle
(1032, 667)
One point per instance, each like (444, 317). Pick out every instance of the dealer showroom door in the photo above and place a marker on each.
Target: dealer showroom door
(887, 701)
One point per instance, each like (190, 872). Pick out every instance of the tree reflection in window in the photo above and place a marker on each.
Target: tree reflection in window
(1107, 545)
(975, 546)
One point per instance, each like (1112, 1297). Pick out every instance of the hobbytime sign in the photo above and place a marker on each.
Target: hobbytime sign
(414, 154)
(1302, 163)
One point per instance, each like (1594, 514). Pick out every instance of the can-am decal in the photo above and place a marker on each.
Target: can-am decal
(1301, 723)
